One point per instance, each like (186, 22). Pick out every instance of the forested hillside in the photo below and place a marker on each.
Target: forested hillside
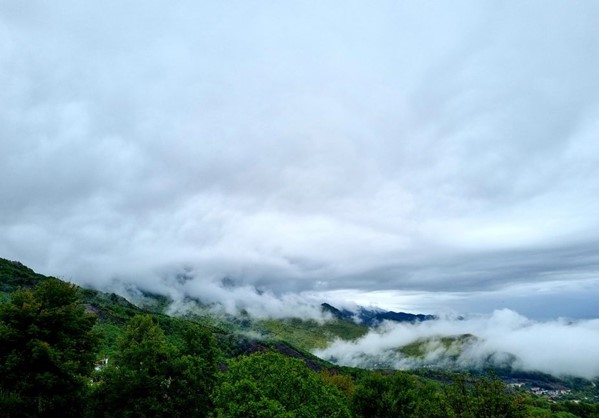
(71, 352)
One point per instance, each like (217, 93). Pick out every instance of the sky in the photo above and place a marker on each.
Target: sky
(422, 156)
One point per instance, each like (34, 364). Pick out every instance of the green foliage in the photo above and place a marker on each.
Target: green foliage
(343, 382)
(272, 385)
(151, 376)
(536, 412)
(110, 333)
(14, 275)
(485, 397)
(400, 395)
(565, 415)
(579, 409)
(109, 307)
(47, 350)
(404, 395)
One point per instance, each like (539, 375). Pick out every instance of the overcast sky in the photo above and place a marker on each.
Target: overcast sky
(424, 155)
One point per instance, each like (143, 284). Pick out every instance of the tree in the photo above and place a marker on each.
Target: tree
(47, 351)
(482, 397)
(371, 397)
(342, 382)
(152, 377)
(399, 395)
(272, 385)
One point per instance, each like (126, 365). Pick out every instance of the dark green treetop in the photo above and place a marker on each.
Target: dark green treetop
(47, 351)
(272, 385)
(149, 376)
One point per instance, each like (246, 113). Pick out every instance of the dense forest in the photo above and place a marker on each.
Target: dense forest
(72, 352)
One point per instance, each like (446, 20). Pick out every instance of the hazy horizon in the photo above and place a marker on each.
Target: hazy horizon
(417, 156)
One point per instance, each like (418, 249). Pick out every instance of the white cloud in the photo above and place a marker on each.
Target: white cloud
(412, 147)
(557, 347)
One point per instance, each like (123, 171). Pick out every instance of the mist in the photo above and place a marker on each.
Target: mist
(186, 293)
(505, 338)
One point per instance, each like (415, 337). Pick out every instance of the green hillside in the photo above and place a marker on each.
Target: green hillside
(72, 352)
(13, 275)
(310, 334)
(304, 334)
(451, 346)
(234, 335)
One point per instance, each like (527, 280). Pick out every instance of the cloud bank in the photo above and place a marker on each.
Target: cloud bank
(505, 338)
(189, 294)
(442, 151)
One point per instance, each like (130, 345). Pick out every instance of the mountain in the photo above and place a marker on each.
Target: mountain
(237, 335)
(113, 311)
(373, 317)
(305, 335)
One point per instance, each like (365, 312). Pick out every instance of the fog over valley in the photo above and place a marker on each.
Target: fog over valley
(502, 339)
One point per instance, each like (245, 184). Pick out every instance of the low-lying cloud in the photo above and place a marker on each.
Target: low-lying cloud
(505, 338)
(189, 294)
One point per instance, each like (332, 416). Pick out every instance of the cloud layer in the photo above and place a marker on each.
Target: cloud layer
(558, 347)
(446, 151)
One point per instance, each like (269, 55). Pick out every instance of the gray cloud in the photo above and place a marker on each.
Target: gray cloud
(398, 147)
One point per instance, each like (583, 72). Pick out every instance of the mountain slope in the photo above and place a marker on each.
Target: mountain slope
(13, 275)
(113, 312)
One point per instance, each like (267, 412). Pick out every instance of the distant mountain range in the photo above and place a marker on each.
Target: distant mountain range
(373, 317)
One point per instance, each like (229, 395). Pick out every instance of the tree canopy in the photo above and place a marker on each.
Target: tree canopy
(47, 348)
(272, 385)
(151, 376)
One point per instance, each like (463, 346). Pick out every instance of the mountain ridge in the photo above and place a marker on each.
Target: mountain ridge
(373, 317)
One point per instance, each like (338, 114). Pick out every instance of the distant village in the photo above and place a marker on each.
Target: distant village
(536, 390)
